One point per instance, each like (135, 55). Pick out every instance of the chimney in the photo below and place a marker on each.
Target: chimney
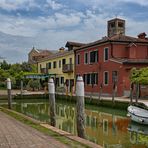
(142, 35)
(61, 49)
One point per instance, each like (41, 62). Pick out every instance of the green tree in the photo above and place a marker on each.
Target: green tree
(140, 75)
(34, 84)
(5, 65)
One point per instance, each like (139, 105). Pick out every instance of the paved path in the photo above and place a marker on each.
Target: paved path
(14, 134)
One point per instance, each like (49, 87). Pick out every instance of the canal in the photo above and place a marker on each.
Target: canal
(107, 127)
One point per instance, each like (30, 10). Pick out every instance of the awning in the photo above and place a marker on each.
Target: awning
(38, 76)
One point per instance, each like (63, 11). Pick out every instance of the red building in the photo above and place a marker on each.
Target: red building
(109, 60)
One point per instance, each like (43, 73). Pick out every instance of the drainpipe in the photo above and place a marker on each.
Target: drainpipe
(112, 56)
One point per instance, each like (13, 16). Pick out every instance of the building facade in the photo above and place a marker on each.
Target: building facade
(60, 64)
(106, 63)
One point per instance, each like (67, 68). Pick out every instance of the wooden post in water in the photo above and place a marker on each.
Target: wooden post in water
(51, 89)
(131, 92)
(137, 92)
(114, 92)
(80, 107)
(100, 92)
(9, 93)
(21, 88)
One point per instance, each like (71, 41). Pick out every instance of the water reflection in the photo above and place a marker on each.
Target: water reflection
(109, 128)
(138, 133)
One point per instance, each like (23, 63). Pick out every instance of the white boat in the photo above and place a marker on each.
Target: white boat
(138, 112)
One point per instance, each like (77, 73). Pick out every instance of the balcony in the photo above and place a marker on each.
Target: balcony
(67, 68)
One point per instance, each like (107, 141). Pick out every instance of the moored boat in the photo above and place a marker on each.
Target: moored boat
(138, 112)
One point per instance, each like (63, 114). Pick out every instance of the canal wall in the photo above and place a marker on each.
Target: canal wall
(104, 102)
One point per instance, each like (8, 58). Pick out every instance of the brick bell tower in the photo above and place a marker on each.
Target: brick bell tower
(115, 26)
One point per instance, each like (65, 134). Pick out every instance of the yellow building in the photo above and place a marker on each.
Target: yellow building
(61, 67)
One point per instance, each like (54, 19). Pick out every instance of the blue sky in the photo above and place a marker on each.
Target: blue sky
(48, 24)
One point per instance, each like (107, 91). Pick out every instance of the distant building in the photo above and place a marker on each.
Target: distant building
(109, 60)
(37, 54)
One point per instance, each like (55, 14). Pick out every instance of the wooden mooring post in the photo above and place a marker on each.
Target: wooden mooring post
(51, 89)
(80, 107)
(9, 93)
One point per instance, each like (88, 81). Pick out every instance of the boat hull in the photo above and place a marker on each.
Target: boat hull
(138, 115)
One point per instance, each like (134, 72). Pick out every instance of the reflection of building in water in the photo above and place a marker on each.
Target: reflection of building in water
(106, 129)
(103, 128)
(38, 111)
(65, 116)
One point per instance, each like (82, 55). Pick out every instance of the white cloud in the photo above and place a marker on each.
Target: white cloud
(18, 25)
(10, 5)
(140, 2)
(64, 20)
(108, 3)
(54, 5)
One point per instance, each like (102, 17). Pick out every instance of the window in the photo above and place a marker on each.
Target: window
(57, 82)
(84, 78)
(91, 78)
(78, 59)
(62, 80)
(88, 79)
(60, 64)
(106, 78)
(70, 60)
(112, 24)
(114, 76)
(106, 54)
(94, 78)
(94, 56)
(49, 65)
(54, 64)
(63, 61)
(86, 58)
(120, 24)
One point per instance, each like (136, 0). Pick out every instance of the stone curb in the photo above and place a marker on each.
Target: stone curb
(71, 136)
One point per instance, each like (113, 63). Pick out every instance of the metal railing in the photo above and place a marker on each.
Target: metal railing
(67, 68)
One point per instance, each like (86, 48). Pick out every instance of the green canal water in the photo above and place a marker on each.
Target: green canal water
(104, 126)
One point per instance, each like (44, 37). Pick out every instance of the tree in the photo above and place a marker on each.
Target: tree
(5, 65)
(139, 76)
(15, 72)
(34, 84)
